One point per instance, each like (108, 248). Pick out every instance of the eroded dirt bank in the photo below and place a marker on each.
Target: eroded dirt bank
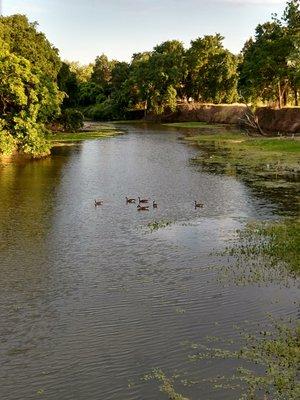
(286, 120)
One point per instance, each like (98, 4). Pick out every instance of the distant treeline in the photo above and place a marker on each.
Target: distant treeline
(37, 89)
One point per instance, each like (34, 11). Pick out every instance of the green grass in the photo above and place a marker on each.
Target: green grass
(275, 348)
(235, 148)
(130, 121)
(81, 136)
(276, 145)
(189, 124)
(280, 241)
(155, 225)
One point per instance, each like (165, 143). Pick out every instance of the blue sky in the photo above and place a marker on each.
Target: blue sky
(82, 29)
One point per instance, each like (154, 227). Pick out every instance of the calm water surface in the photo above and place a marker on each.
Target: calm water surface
(89, 298)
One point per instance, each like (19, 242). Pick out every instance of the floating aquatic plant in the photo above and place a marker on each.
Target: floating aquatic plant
(155, 225)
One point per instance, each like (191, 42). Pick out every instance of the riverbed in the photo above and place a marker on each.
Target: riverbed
(91, 299)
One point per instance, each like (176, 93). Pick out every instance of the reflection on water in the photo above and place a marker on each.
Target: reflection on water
(89, 298)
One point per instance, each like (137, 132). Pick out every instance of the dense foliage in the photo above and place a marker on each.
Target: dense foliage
(267, 71)
(270, 68)
(35, 85)
(29, 95)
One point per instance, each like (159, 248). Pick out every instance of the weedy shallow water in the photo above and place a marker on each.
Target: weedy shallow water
(88, 300)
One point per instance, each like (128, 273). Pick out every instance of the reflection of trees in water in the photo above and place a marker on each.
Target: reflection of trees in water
(27, 198)
(26, 194)
(29, 281)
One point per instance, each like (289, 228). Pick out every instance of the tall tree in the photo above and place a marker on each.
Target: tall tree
(29, 95)
(271, 62)
(27, 101)
(212, 71)
(68, 83)
(22, 38)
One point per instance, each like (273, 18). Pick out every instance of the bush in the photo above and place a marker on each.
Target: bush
(101, 112)
(7, 142)
(72, 120)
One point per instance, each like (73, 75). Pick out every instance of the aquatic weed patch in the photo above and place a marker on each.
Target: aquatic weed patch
(258, 154)
(155, 225)
(80, 136)
(266, 360)
(270, 359)
(264, 252)
(166, 385)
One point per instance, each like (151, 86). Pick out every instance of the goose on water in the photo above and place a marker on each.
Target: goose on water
(142, 208)
(98, 203)
(198, 205)
(130, 200)
(143, 200)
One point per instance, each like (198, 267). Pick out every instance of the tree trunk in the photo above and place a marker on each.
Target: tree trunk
(285, 97)
(279, 96)
(296, 97)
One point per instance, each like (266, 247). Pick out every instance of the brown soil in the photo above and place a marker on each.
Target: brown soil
(285, 120)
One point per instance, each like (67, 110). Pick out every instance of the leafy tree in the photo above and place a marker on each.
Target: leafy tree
(72, 120)
(23, 39)
(102, 73)
(212, 71)
(27, 101)
(83, 72)
(29, 95)
(67, 83)
(271, 62)
(157, 77)
(119, 74)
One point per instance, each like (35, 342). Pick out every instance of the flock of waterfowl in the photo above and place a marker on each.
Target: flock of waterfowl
(143, 204)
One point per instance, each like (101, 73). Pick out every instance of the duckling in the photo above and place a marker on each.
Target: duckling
(98, 203)
(143, 200)
(129, 200)
(198, 205)
(142, 208)
(154, 204)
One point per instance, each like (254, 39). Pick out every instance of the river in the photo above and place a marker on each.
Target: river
(90, 298)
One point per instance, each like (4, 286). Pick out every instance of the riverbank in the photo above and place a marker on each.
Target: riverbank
(224, 146)
(285, 120)
(91, 130)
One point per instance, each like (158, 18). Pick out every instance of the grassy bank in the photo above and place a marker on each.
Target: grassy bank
(91, 131)
(228, 146)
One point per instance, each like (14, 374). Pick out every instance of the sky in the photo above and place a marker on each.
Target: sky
(83, 29)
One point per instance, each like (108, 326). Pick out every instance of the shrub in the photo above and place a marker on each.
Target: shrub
(7, 141)
(72, 120)
(101, 112)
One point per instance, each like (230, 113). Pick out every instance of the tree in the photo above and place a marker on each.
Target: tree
(212, 71)
(29, 95)
(101, 74)
(157, 77)
(23, 39)
(271, 62)
(67, 83)
(27, 100)
(83, 72)
(72, 120)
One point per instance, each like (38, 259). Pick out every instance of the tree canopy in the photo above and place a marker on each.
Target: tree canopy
(271, 61)
(37, 88)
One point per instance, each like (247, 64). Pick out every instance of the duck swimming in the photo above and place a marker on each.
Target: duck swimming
(130, 200)
(198, 205)
(143, 200)
(142, 208)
